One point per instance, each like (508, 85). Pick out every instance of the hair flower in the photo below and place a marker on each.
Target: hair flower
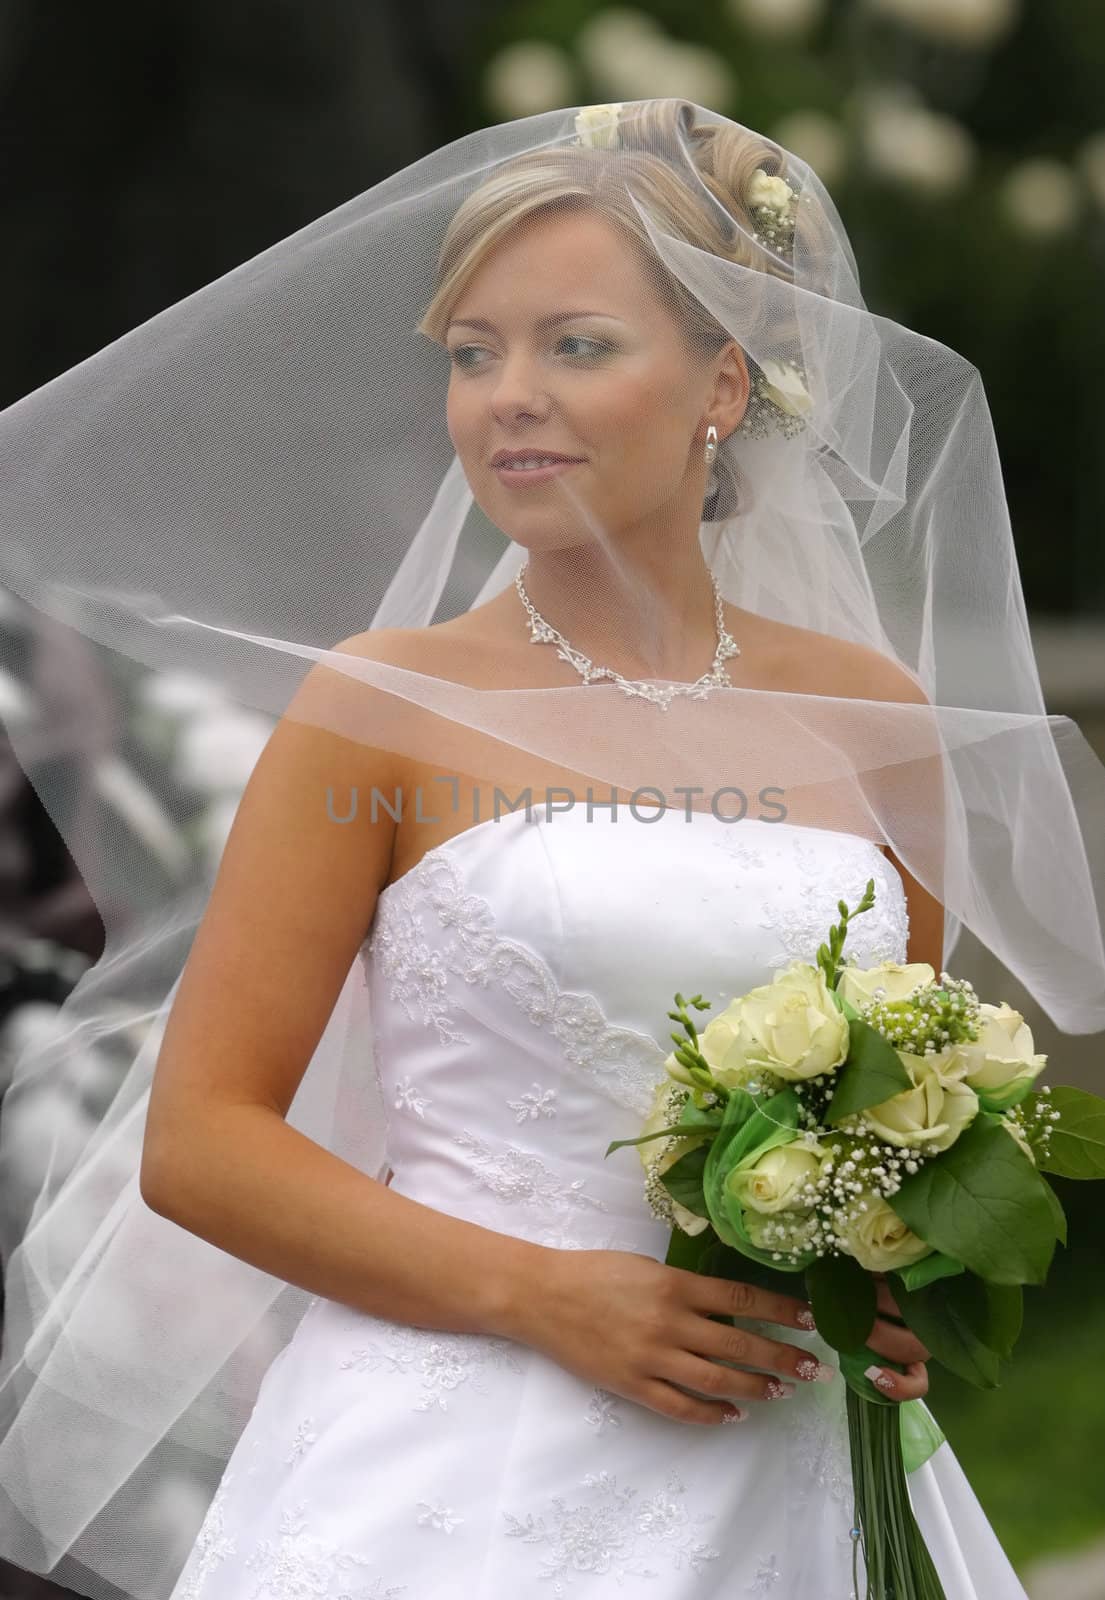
(597, 126)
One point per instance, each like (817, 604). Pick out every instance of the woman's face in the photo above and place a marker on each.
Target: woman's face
(560, 344)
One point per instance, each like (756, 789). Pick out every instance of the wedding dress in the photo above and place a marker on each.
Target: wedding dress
(520, 977)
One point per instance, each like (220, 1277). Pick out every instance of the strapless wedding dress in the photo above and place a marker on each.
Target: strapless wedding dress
(520, 977)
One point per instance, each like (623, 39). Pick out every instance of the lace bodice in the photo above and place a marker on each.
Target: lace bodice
(521, 974)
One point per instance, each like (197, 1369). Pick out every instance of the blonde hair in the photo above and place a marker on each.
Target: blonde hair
(653, 141)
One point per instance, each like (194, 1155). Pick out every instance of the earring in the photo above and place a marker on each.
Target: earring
(710, 452)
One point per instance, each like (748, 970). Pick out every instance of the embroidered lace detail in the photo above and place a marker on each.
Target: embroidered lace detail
(442, 1360)
(802, 914)
(741, 850)
(518, 1177)
(536, 1102)
(434, 1516)
(628, 1063)
(766, 1577)
(212, 1546)
(302, 1442)
(409, 1098)
(602, 1413)
(818, 1432)
(605, 1532)
(301, 1567)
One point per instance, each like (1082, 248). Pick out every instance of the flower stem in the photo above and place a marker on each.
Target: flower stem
(896, 1558)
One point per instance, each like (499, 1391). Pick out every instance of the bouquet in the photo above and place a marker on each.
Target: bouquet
(844, 1122)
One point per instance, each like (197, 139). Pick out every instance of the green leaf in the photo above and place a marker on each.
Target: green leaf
(843, 1297)
(872, 1073)
(705, 1117)
(683, 1180)
(982, 1202)
(1077, 1143)
(853, 1365)
(1006, 1314)
(688, 1250)
(1059, 1216)
(953, 1320)
(846, 1006)
(661, 1133)
(928, 1269)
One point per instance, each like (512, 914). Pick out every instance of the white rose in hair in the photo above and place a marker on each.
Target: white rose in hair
(597, 126)
(783, 386)
(775, 193)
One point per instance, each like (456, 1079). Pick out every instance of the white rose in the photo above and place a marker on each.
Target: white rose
(719, 1042)
(857, 985)
(934, 1112)
(660, 1154)
(878, 1238)
(775, 193)
(778, 1180)
(792, 1027)
(1002, 1059)
(783, 386)
(597, 126)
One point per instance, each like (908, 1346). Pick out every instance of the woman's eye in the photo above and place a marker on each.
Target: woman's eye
(592, 348)
(596, 346)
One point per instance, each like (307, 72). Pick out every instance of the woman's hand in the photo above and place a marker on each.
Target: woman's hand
(647, 1331)
(898, 1343)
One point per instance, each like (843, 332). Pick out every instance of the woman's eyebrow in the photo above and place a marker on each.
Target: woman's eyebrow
(542, 322)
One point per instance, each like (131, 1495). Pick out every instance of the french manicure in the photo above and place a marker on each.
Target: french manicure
(879, 1378)
(811, 1371)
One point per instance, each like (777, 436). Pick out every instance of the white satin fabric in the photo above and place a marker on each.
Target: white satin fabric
(520, 977)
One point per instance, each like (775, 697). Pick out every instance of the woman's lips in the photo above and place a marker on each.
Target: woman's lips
(522, 477)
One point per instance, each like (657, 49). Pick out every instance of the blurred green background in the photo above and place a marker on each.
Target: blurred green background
(963, 141)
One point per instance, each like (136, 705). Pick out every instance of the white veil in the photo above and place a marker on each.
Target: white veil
(262, 472)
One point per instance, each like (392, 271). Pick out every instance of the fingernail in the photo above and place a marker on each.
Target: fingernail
(735, 1416)
(879, 1378)
(811, 1371)
(774, 1390)
(804, 1319)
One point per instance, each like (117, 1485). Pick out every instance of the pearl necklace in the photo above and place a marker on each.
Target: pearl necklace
(542, 632)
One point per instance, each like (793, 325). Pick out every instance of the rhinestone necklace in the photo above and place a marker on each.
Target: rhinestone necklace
(542, 632)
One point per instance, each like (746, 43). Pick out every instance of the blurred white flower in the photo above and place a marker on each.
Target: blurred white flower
(47, 1127)
(603, 37)
(179, 694)
(218, 752)
(906, 141)
(629, 57)
(973, 23)
(526, 78)
(1040, 196)
(1091, 162)
(816, 139)
(777, 19)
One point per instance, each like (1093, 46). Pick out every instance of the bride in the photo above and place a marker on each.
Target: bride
(376, 1269)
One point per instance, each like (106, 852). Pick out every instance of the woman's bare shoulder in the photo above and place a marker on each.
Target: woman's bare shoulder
(461, 648)
(802, 660)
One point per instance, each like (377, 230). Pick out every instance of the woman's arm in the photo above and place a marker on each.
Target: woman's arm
(290, 907)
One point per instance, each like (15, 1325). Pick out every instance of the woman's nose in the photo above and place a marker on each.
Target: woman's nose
(518, 386)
